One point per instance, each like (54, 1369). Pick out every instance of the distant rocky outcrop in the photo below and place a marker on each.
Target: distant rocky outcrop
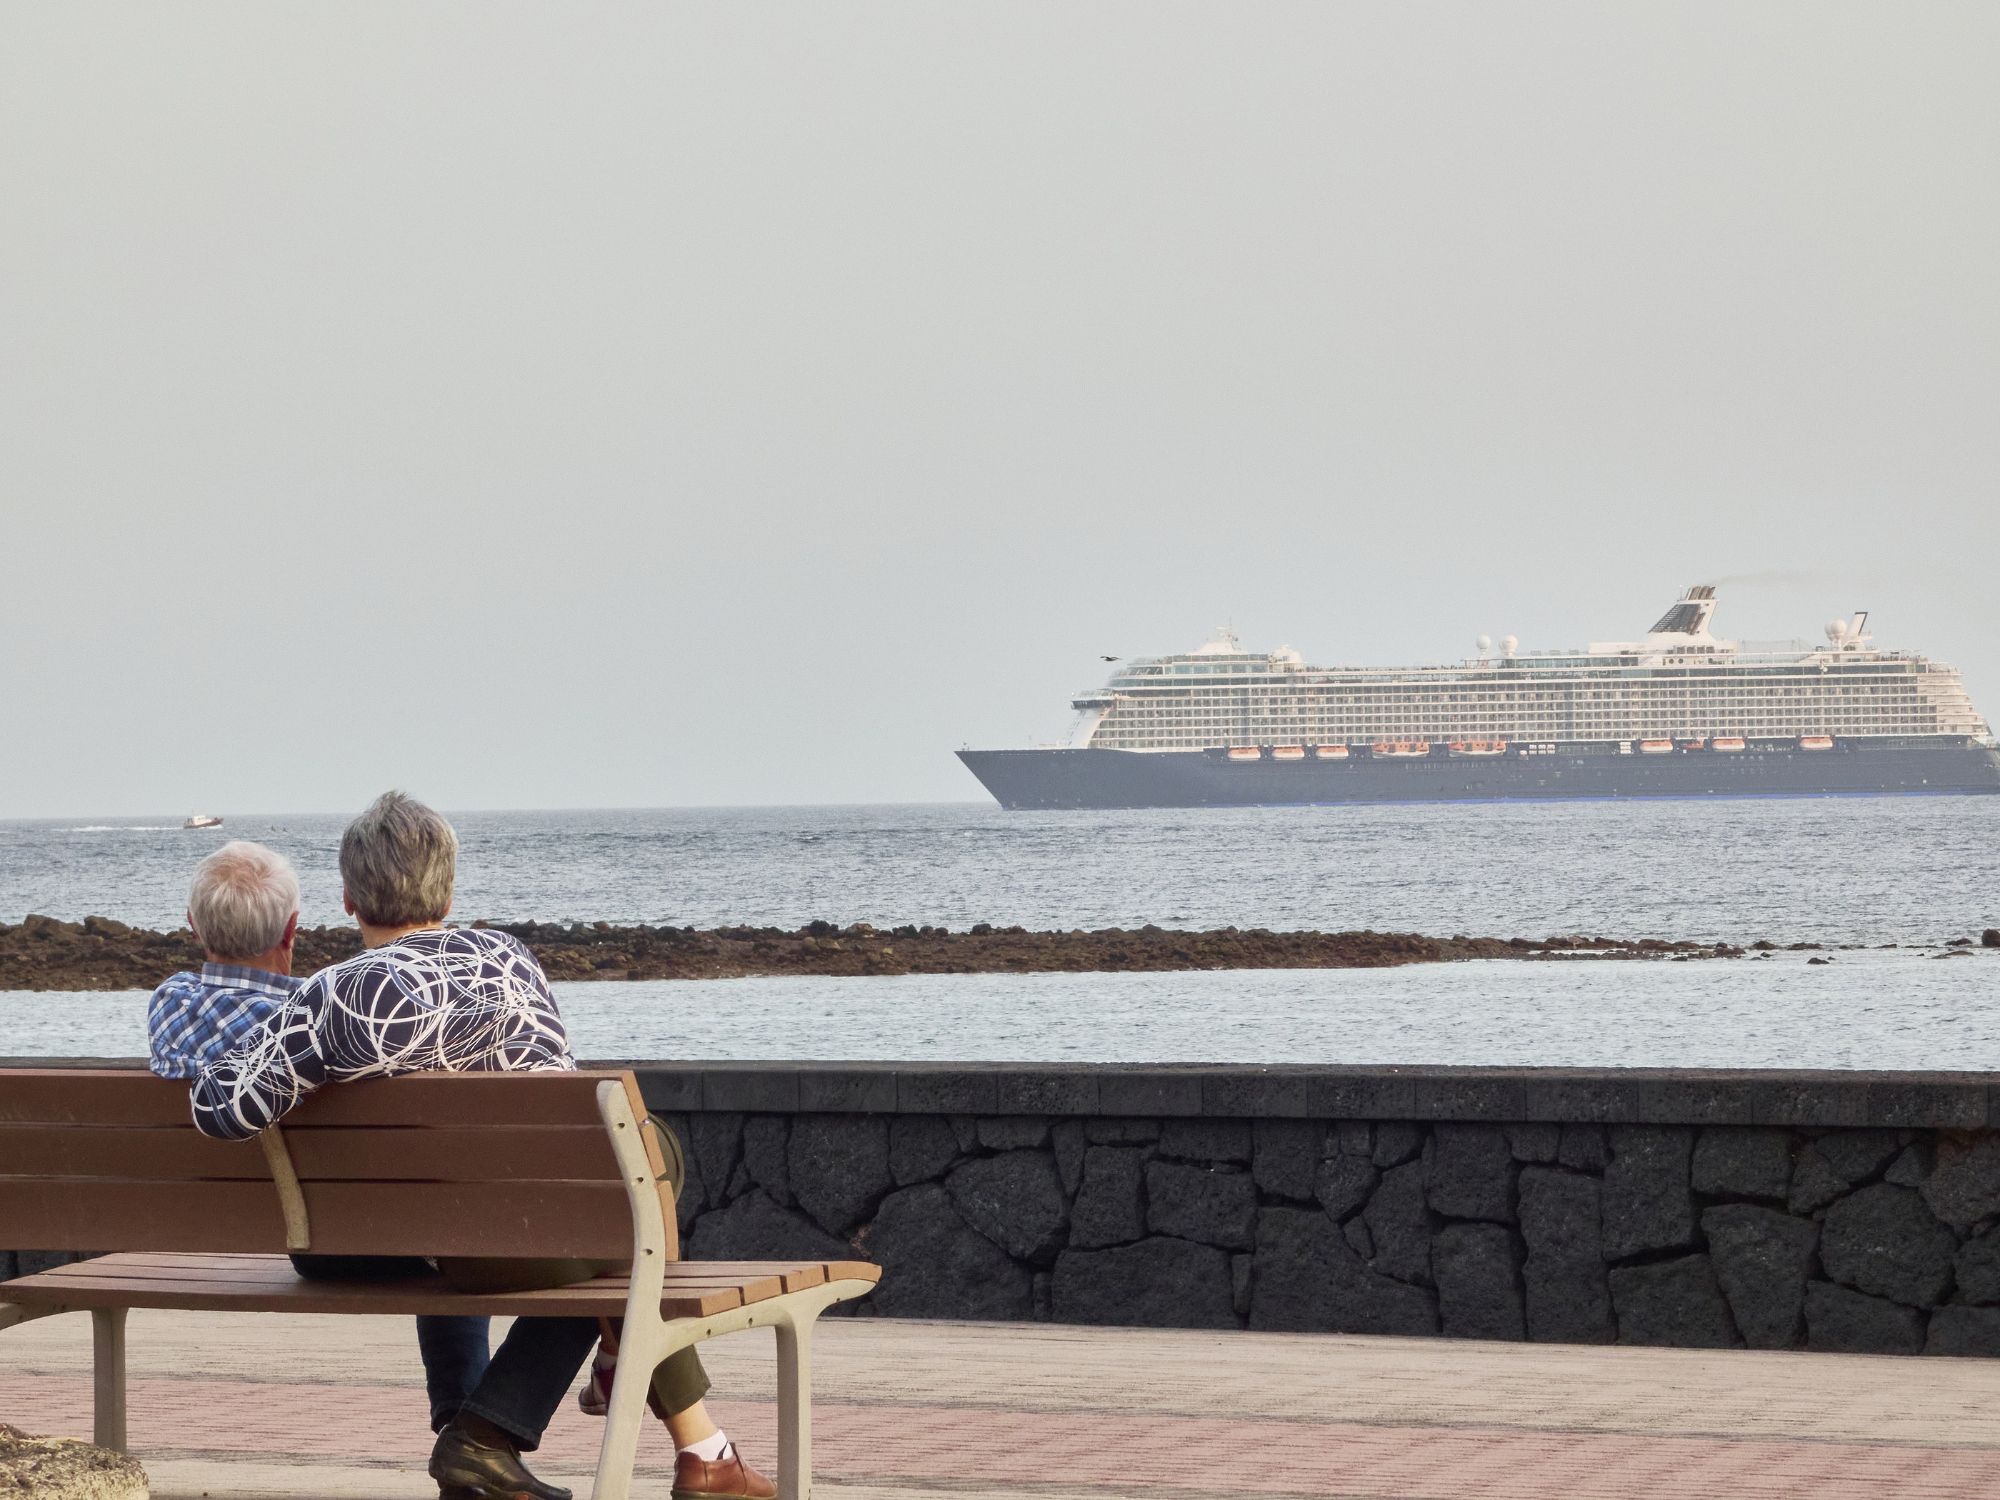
(42, 953)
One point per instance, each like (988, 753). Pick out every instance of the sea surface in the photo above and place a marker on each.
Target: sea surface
(1862, 1010)
(1854, 873)
(1847, 870)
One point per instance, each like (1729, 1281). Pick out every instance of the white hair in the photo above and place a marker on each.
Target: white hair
(241, 898)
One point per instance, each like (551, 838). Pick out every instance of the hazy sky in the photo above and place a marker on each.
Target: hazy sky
(629, 405)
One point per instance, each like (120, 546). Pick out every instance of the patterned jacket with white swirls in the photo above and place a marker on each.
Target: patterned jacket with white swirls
(458, 1000)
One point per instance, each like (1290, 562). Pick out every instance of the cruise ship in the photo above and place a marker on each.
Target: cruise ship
(1677, 713)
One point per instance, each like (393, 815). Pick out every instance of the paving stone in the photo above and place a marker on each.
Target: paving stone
(754, 1227)
(1286, 1155)
(1743, 1161)
(1068, 1139)
(1648, 1204)
(839, 1167)
(1584, 1148)
(1477, 1268)
(1534, 1141)
(1469, 1172)
(1568, 1293)
(1675, 1302)
(1964, 1186)
(1013, 1132)
(1110, 1204)
(1977, 1268)
(1846, 1322)
(1309, 1280)
(1015, 1199)
(1399, 1222)
(1857, 1155)
(921, 1148)
(1968, 1332)
(1207, 1140)
(1883, 1240)
(764, 1138)
(935, 1265)
(1157, 1283)
(1203, 1204)
(1762, 1257)
(1396, 1141)
(1343, 1183)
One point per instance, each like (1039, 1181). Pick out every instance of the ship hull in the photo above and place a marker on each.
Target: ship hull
(1072, 778)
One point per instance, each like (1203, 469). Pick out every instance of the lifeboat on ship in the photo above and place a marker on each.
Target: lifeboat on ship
(1479, 747)
(1289, 752)
(1815, 742)
(1656, 747)
(1402, 749)
(1245, 752)
(1727, 743)
(1331, 752)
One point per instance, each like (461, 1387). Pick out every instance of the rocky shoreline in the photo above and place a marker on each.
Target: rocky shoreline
(43, 953)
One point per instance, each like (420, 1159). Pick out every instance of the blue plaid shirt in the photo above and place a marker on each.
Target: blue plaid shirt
(195, 1018)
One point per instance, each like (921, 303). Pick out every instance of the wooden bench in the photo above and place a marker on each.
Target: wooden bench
(440, 1164)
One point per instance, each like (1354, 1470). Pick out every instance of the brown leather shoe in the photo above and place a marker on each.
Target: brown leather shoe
(725, 1479)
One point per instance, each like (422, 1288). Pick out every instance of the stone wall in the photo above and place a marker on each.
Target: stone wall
(1839, 1211)
(1769, 1210)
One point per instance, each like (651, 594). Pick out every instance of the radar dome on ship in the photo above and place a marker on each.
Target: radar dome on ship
(1836, 631)
(1509, 644)
(1485, 644)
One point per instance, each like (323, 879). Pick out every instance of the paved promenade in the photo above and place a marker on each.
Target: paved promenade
(245, 1408)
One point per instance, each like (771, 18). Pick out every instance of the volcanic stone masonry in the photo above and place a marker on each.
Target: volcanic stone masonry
(1773, 1210)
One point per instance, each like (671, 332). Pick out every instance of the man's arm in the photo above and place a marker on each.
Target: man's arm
(275, 1067)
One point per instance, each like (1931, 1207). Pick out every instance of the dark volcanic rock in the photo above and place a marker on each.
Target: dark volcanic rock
(1534, 1142)
(1977, 1268)
(935, 1265)
(764, 1139)
(1157, 1283)
(715, 1141)
(1013, 1132)
(1110, 1207)
(1396, 1141)
(1742, 1161)
(1354, 1137)
(1971, 1332)
(1568, 1292)
(1857, 1155)
(1911, 1166)
(756, 1228)
(1478, 1282)
(1207, 1140)
(1761, 1258)
(1015, 1200)
(1469, 1172)
(1287, 1155)
(839, 1167)
(1399, 1223)
(1583, 1148)
(1964, 1187)
(1309, 1279)
(1114, 1132)
(1196, 1203)
(1844, 1322)
(1647, 1202)
(1343, 1184)
(921, 1148)
(1814, 1183)
(1673, 1302)
(1990, 938)
(1883, 1240)
(1067, 1137)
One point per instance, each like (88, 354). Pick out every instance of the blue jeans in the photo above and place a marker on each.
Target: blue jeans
(454, 1350)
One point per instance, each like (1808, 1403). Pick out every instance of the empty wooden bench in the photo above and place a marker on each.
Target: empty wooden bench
(526, 1165)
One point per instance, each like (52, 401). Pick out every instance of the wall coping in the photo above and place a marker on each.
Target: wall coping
(1645, 1096)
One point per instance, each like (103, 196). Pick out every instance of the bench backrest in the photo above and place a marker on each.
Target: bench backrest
(460, 1164)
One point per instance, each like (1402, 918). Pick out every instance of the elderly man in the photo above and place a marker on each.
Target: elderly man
(243, 908)
(424, 997)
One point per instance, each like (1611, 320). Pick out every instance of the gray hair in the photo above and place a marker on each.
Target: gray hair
(241, 898)
(398, 861)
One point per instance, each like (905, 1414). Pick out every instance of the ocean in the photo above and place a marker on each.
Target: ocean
(1857, 873)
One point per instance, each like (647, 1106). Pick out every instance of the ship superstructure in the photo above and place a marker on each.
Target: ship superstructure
(1677, 692)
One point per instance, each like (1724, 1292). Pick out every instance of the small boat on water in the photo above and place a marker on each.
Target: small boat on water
(1728, 743)
(1331, 752)
(1815, 742)
(1289, 752)
(202, 820)
(1245, 752)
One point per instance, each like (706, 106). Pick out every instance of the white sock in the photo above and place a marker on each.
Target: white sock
(710, 1448)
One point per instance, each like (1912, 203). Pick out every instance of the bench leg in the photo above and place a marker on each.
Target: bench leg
(795, 1460)
(107, 1347)
(624, 1419)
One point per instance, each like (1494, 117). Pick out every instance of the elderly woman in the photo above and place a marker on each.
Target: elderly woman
(422, 997)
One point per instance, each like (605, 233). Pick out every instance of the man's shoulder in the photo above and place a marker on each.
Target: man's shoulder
(178, 986)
